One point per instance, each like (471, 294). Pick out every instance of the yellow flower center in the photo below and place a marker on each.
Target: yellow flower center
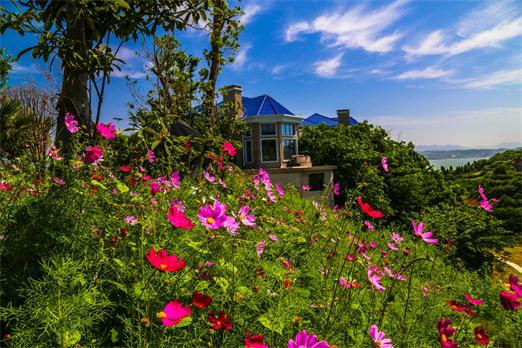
(161, 315)
(210, 220)
(163, 266)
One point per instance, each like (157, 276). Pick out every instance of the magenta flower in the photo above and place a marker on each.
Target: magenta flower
(209, 177)
(419, 232)
(58, 180)
(384, 163)
(379, 338)
(362, 249)
(260, 248)
(369, 226)
(165, 262)
(173, 313)
(273, 238)
(397, 238)
(474, 301)
(445, 332)
(151, 157)
(177, 206)
(229, 148)
(305, 340)
(509, 301)
(280, 190)
(177, 217)
(485, 201)
(515, 285)
(93, 154)
(54, 153)
(247, 220)
(392, 246)
(213, 216)
(336, 189)
(106, 130)
(175, 179)
(70, 123)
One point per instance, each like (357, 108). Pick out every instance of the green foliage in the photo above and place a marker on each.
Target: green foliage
(500, 176)
(74, 271)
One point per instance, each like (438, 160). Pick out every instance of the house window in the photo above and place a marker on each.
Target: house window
(289, 149)
(287, 129)
(269, 150)
(248, 151)
(268, 129)
(315, 181)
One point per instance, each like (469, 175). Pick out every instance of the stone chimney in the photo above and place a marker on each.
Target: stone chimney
(343, 116)
(232, 94)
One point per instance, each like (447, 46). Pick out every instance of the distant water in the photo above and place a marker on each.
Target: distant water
(454, 162)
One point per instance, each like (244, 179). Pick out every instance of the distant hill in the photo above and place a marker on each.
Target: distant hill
(448, 147)
(463, 153)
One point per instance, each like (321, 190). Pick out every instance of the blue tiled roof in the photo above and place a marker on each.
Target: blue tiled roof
(316, 119)
(263, 105)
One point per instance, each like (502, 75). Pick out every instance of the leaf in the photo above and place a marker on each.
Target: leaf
(122, 187)
(99, 184)
(271, 324)
(223, 283)
(195, 245)
(119, 262)
(185, 322)
(114, 335)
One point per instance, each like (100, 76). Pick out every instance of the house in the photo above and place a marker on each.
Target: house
(272, 143)
(342, 114)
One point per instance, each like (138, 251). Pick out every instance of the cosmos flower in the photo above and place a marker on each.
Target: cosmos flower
(375, 279)
(485, 203)
(231, 225)
(445, 332)
(151, 157)
(515, 285)
(209, 177)
(336, 189)
(379, 338)
(474, 301)
(229, 148)
(419, 232)
(4, 186)
(384, 163)
(260, 248)
(58, 180)
(213, 216)
(481, 336)
(222, 322)
(200, 300)
(509, 301)
(93, 154)
(461, 307)
(131, 220)
(247, 220)
(280, 190)
(173, 313)
(368, 210)
(305, 340)
(257, 341)
(397, 238)
(70, 123)
(177, 217)
(164, 262)
(106, 130)
(54, 153)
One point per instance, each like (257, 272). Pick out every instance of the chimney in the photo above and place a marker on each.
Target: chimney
(343, 116)
(232, 95)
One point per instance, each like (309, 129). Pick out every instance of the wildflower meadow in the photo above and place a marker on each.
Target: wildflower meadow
(102, 249)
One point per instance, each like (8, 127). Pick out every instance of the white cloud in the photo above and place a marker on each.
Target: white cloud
(131, 73)
(487, 26)
(276, 70)
(250, 11)
(358, 27)
(126, 54)
(17, 68)
(328, 67)
(428, 73)
(497, 78)
(486, 127)
(241, 57)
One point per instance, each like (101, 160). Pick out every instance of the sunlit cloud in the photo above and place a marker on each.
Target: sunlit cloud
(328, 67)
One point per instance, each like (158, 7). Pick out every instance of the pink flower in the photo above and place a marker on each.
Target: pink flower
(336, 189)
(106, 130)
(397, 238)
(229, 148)
(369, 225)
(384, 163)
(247, 220)
(485, 201)
(379, 338)
(305, 340)
(375, 279)
(54, 153)
(130, 220)
(4, 186)
(175, 179)
(231, 225)
(58, 180)
(178, 218)
(173, 313)
(177, 206)
(214, 216)
(368, 210)
(362, 249)
(151, 157)
(392, 246)
(273, 238)
(209, 177)
(515, 285)
(260, 248)
(307, 187)
(419, 232)
(509, 301)
(280, 190)
(70, 123)
(163, 261)
(93, 154)
(474, 301)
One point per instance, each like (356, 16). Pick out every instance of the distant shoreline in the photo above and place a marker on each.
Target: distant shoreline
(461, 154)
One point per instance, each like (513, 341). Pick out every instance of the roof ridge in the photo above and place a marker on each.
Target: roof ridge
(261, 104)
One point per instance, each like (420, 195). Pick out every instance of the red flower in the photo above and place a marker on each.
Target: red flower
(223, 322)
(445, 332)
(188, 145)
(200, 300)
(509, 301)
(515, 285)
(461, 307)
(368, 210)
(254, 341)
(481, 336)
(164, 262)
(474, 301)
(93, 154)
(125, 168)
(229, 148)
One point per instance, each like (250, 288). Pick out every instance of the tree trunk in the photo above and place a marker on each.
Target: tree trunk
(74, 94)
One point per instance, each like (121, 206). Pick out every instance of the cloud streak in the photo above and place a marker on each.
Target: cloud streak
(356, 28)
(497, 78)
(428, 73)
(328, 67)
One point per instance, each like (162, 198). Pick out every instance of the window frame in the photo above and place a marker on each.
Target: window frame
(276, 148)
(289, 137)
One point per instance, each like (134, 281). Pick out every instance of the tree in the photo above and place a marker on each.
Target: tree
(80, 32)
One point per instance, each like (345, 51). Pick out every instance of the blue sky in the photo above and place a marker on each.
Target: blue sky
(431, 72)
